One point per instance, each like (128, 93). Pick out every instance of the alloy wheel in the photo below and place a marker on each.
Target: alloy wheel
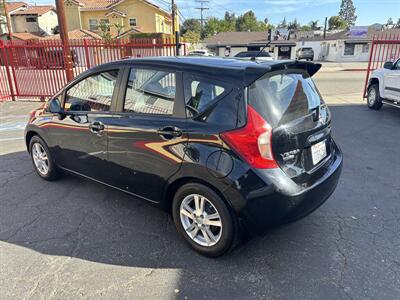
(40, 158)
(201, 220)
(371, 96)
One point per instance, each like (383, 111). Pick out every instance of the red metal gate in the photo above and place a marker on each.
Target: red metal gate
(384, 47)
(37, 68)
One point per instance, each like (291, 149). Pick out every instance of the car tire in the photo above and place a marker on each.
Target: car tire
(42, 160)
(224, 237)
(373, 98)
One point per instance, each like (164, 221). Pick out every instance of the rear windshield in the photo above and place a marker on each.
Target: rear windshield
(252, 54)
(283, 96)
(306, 49)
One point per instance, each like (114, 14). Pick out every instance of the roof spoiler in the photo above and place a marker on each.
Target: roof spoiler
(310, 67)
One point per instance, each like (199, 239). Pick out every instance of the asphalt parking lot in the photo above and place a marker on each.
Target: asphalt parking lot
(78, 239)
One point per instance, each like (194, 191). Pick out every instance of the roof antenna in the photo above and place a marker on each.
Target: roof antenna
(269, 38)
(261, 51)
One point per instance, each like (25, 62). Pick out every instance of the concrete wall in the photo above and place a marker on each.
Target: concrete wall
(47, 22)
(315, 45)
(44, 23)
(336, 52)
(72, 16)
(19, 24)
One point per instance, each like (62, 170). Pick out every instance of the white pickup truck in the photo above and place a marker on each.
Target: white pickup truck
(384, 86)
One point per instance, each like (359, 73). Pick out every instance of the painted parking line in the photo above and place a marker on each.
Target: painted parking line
(14, 126)
(14, 117)
(11, 139)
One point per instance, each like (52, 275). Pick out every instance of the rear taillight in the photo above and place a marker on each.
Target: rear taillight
(253, 142)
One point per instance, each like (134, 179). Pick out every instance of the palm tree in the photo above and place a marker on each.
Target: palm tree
(313, 24)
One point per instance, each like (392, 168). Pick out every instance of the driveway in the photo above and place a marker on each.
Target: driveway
(78, 239)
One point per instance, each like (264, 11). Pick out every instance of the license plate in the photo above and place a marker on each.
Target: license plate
(318, 152)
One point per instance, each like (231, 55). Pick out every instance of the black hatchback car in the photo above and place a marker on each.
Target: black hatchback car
(222, 144)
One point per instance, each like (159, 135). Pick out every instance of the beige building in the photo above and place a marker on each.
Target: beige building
(132, 15)
(10, 8)
(35, 19)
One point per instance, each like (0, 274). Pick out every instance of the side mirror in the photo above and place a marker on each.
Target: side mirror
(55, 106)
(388, 65)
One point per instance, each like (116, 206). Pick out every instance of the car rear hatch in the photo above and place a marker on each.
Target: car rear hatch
(291, 104)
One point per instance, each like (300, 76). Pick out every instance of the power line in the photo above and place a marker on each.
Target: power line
(202, 9)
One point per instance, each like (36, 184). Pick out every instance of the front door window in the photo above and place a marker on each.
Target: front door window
(93, 93)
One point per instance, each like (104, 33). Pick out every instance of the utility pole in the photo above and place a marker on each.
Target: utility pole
(202, 9)
(64, 39)
(326, 21)
(173, 14)
(9, 29)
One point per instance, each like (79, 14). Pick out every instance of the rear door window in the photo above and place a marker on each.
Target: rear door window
(150, 92)
(283, 96)
(201, 93)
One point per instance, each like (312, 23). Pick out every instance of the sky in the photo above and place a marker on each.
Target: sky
(368, 11)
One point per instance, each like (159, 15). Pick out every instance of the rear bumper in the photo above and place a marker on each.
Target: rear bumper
(305, 56)
(270, 197)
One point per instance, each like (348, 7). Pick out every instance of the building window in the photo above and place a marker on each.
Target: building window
(93, 24)
(365, 48)
(31, 19)
(132, 22)
(349, 49)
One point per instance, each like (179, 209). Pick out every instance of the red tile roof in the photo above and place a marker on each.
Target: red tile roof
(34, 10)
(75, 35)
(11, 6)
(24, 36)
(107, 4)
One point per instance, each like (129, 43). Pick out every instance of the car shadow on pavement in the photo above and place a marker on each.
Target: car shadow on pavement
(77, 218)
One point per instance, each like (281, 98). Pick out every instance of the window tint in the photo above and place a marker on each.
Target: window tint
(252, 54)
(284, 96)
(93, 93)
(200, 94)
(397, 65)
(150, 92)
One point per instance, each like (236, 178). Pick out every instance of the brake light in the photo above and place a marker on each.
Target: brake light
(253, 142)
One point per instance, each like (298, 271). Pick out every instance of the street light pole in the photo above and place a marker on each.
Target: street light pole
(64, 39)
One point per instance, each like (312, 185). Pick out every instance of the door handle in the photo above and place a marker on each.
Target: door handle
(96, 127)
(169, 132)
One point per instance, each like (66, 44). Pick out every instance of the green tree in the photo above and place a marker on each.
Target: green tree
(397, 23)
(229, 22)
(294, 25)
(305, 28)
(104, 28)
(191, 25)
(336, 22)
(119, 27)
(313, 24)
(249, 22)
(213, 26)
(389, 22)
(348, 12)
(192, 37)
